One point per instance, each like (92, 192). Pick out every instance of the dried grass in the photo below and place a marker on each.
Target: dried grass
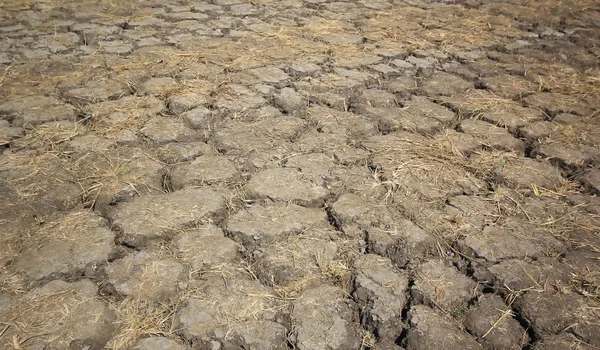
(137, 319)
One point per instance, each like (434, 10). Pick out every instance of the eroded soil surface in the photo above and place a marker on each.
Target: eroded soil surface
(299, 174)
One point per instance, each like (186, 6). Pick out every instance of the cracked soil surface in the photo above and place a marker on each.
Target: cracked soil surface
(299, 174)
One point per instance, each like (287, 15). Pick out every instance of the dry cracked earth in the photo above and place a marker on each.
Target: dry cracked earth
(299, 174)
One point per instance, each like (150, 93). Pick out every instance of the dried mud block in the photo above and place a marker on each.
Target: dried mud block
(185, 101)
(205, 247)
(286, 185)
(437, 284)
(470, 211)
(161, 86)
(555, 103)
(445, 84)
(43, 182)
(549, 313)
(569, 155)
(305, 69)
(298, 261)
(290, 101)
(204, 170)
(260, 225)
(381, 292)
(231, 311)
(60, 316)
(119, 175)
(515, 275)
(460, 143)
(430, 331)
(176, 152)
(406, 243)
(376, 98)
(162, 130)
(423, 106)
(336, 146)
(318, 166)
(516, 239)
(352, 60)
(240, 138)
(272, 75)
(522, 172)
(512, 87)
(129, 108)
(199, 118)
(332, 327)
(492, 136)
(95, 91)
(330, 121)
(512, 116)
(584, 261)
(238, 98)
(419, 181)
(146, 277)
(562, 341)
(35, 110)
(393, 119)
(494, 325)
(71, 244)
(160, 343)
(354, 214)
(159, 216)
(537, 131)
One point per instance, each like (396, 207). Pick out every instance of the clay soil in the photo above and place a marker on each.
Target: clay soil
(300, 174)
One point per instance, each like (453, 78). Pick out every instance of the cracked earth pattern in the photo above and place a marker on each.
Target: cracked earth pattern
(299, 174)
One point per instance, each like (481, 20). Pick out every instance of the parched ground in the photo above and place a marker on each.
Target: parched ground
(299, 174)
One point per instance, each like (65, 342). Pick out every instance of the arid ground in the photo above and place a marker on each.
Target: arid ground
(299, 174)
